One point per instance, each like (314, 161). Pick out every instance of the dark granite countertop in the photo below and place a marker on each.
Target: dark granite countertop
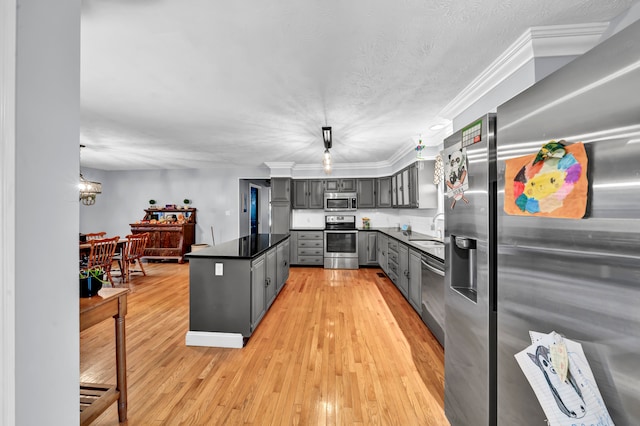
(425, 243)
(246, 247)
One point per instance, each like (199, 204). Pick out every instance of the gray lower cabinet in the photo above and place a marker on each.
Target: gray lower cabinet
(403, 269)
(392, 261)
(282, 259)
(258, 294)
(415, 280)
(382, 253)
(309, 248)
(270, 279)
(366, 193)
(367, 248)
(232, 295)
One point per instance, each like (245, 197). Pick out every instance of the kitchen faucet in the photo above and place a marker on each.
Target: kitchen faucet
(433, 224)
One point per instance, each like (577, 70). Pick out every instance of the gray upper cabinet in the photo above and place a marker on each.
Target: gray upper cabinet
(401, 188)
(281, 190)
(340, 185)
(316, 193)
(366, 193)
(300, 194)
(308, 193)
(383, 193)
(424, 193)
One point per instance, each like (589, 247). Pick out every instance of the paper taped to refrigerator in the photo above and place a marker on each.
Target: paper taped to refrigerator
(574, 401)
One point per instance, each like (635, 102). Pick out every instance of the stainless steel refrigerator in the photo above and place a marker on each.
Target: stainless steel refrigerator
(578, 277)
(508, 274)
(470, 246)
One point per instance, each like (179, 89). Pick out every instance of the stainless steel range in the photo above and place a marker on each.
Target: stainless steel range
(340, 242)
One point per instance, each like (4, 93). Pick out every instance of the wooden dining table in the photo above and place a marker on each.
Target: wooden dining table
(96, 397)
(85, 247)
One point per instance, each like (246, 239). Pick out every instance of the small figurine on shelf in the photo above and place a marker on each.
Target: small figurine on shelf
(152, 204)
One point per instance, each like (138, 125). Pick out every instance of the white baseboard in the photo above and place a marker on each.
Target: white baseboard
(214, 339)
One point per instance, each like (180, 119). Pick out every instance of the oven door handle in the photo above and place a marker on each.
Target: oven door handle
(341, 231)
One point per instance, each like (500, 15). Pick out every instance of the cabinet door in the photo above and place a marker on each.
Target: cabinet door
(280, 218)
(271, 278)
(282, 256)
(415, 281)
(258, 274)
(382, 252)
(394, 190)
(293, 248)
(300, 194)
(366, 193)
(316, 194)
(405, 188)
(332, 185)
(403, 269)
(362, 247)
(281, 189)
(384, 191)
(347, 185)
(372, 248)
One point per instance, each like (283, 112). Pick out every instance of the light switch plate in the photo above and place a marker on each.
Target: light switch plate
(219, 268)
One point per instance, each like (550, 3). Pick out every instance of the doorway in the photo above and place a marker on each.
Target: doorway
(255, 226)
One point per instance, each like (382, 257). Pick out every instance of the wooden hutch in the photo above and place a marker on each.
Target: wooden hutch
(171, 232)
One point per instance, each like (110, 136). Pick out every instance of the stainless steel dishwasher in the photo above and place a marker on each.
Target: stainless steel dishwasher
(433, 295)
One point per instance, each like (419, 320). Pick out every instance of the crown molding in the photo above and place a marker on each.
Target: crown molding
(544, 41)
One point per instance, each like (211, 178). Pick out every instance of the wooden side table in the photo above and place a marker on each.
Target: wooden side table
(95, 398)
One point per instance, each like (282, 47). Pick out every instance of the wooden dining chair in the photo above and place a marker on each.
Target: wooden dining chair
(101, 255)
(95, 236)
(136, 243)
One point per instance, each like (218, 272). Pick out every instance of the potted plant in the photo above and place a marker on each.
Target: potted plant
(186, 203)
(91, 281)
(152, 204)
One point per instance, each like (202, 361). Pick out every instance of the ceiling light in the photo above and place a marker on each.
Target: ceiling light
(438, 126)
(326, 136)
(326, 157)
(88, 189)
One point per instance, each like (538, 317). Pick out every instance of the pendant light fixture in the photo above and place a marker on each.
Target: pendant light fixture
(88, 189)
(326, 157)
(419, 149)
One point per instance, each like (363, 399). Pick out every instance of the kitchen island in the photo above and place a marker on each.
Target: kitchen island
(231, 287)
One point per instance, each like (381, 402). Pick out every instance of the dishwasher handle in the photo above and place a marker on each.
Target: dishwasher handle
(432, 269)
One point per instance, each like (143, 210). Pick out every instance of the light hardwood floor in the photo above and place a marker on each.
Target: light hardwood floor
(337, 347)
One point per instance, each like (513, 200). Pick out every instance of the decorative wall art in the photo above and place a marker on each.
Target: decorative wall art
(551, 183)
(569, 401)
(455, 173)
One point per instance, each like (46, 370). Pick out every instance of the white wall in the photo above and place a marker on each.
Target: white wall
(125, 195)
(46, 247)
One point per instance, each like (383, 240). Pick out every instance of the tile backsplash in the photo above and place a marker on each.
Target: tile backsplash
(419, 220)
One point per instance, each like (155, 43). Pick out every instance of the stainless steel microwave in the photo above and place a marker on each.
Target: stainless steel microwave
(340, 201)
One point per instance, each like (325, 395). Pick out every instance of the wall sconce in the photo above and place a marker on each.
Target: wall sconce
(326, 157)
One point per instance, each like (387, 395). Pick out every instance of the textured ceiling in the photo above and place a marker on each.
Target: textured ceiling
(203, 83)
